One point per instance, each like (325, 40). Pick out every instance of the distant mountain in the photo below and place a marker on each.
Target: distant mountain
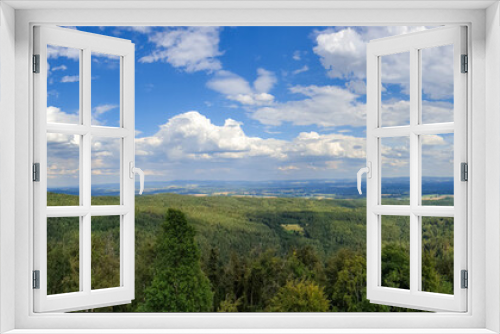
(398, 187)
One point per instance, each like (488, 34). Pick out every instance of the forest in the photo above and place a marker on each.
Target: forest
(247, 254)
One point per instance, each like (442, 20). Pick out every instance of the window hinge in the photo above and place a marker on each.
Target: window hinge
(465, 279)
(465, 64)
(464, 171)
(36, 172)
(36, 63)
(36, 279)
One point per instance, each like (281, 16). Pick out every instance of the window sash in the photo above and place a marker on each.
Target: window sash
(85, 298)
(414, 298)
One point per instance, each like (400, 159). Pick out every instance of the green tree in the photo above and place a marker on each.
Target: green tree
(178, 285)
(299, 296)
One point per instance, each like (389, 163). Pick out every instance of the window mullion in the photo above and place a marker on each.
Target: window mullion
(414, 171)
(86, 161)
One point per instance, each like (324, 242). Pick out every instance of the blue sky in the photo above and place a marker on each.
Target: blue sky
(246, 103)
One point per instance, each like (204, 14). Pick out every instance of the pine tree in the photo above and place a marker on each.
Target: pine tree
(178, 285)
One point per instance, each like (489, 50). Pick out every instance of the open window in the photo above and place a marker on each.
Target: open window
(429, 69)
(71, 148)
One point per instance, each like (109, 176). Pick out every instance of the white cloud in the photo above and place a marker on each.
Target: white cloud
(99, 110)
(193, 137)
(70, 78)
(297, 55)
(304, 68)
(56, 115)
(59, 68)
(228, 83)
(356, 86)
(238, 89)
(396, 112)
(343, 54)
(265, 81)
(191, 49)
(61, 51)
(323, 106)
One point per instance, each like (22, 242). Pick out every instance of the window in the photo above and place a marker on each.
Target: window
(68, 151)
(475, 319)
(416, 127)
(305, 243)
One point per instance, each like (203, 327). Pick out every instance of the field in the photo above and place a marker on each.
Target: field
(254, 254)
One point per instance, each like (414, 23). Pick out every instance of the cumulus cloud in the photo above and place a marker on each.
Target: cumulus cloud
(190, 144)
(343, 54)
(56, 115)
(238, 89)
(191, 49)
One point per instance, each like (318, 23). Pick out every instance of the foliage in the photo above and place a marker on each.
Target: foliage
(178, 285)
(299, 296)
(237, 254)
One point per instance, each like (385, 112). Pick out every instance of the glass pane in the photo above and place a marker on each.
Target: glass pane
(63, 85)
(437, 169)
(63, 169)
(63, 255)
(106, 171)
(105, 252)
(396, 252)
(437, 84)
(437, 254)
(395, 86)
(395, 171)
(105, 89)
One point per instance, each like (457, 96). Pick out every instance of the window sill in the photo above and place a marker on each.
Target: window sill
(251, 331)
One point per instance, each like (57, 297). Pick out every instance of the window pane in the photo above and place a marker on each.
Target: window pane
(63, 169)
(437, 254)
(105, 252)
(396, 252)
(63, 85)
(106, 171)
(437, 169)
(395, 85)
(63, 255)
(437, 84)
(105, 89)
(395, 171)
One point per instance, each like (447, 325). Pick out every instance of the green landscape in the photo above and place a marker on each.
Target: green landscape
(248, 254)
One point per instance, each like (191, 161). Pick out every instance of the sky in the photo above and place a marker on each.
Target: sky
(248, 103)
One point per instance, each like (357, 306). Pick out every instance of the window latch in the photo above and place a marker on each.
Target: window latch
(368, 171)
(134, 170)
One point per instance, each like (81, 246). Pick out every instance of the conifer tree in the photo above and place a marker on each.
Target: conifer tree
(178, 285)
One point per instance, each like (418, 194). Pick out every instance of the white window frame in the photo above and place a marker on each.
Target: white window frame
(86, 43)
(484, 266)
(412, 44)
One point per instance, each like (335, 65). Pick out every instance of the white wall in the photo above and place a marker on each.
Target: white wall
(7, 159)
(492, 147)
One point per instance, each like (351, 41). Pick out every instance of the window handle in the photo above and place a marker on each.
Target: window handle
(368, 171)
(133, 172)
